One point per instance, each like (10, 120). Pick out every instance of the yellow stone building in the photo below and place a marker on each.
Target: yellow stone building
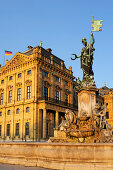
(107, 94)
(35, 89)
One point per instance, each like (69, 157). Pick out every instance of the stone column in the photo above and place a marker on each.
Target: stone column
(14, 99)
(44, 123)
(34, 77)
(71, 94)
(52, 86)
(6, 91)
(38, 124)
(56, 119)
(23, 86)
(62, 91)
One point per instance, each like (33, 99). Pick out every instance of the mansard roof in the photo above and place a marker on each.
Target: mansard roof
(44, 52)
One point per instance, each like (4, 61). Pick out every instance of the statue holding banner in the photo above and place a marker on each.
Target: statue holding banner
(86, 55)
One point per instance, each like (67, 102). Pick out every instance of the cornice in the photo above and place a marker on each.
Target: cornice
(50, 66)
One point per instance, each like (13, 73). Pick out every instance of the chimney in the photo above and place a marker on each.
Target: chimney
(49, 50)
(70, 69)
(29, 47)
(6, 61)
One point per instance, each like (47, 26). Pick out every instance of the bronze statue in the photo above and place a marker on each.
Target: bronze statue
(86, 57)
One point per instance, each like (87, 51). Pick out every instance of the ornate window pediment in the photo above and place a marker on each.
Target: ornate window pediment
(58, 87)
(47, 84)
(28, 82)
(19, 84)
(9, 87)
(1, 90)
(67, 91)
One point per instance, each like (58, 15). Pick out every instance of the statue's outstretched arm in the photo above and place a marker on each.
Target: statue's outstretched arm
(92, 38)
(75, 57)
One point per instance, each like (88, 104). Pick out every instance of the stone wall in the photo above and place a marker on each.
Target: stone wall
(58, 156)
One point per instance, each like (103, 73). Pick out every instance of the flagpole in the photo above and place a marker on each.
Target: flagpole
(90, 40)
(91, 27)
(4, 58)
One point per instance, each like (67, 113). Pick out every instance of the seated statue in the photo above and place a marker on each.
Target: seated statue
(70, 117)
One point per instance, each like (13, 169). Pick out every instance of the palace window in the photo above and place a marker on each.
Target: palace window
(66, 83)
(56, 78)
(57, 96)
(17, 129)
(8, 129)
(0, 130)
(29, 72)
(27, 128)
(11, 78)
(66, 98)
(19, 75)
(9, 112)
(19, 94)
(45, 74)
(2, 81)
(27, 109)
(28, 92)
(17, 111)
(2, 95)
(10, 96)
(46, 93)
(0, 113)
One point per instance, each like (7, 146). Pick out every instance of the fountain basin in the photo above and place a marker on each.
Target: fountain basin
(64, 156)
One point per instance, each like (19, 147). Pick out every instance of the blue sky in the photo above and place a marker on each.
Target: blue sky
(60, 24)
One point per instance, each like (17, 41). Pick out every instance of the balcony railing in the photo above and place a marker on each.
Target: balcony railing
(49, 99)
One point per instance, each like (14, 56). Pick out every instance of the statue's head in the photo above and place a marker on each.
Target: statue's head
(84, 41)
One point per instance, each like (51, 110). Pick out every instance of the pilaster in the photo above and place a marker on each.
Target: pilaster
(40, 85)
(62, 91)
(56, 119)
(44, 123)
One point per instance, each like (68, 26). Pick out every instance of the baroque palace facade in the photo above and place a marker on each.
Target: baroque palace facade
(35, 90)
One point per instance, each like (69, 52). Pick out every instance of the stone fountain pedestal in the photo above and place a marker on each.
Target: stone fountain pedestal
(86, 101)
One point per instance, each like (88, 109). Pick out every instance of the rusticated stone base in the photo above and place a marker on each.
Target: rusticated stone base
(59, 156)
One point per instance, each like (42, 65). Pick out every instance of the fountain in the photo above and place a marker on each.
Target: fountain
(90, 124)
